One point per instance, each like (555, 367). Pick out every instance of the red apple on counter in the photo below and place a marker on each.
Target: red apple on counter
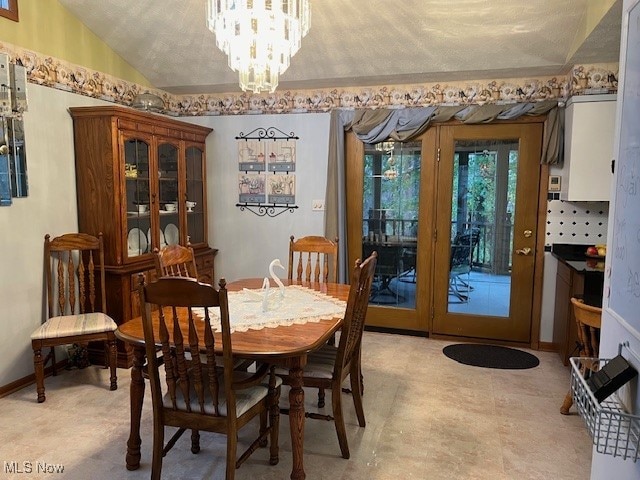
(593, 251)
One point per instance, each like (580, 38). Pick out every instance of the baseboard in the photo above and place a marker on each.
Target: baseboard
(397, 331)
(28, 380)
(548, 347)
(505, 343)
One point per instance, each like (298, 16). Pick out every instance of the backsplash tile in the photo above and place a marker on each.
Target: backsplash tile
(576, 222)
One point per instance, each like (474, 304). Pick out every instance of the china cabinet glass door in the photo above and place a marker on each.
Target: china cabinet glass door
(195, 191)
(137, 193)
(168, 228)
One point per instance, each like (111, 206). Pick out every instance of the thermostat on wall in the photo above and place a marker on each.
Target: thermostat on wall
(554, 183)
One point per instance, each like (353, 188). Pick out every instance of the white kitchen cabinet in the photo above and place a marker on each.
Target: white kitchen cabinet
(588, 148)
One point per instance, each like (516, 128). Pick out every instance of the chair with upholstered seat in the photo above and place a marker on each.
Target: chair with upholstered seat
(175, 261)
(588, 321)
(314, 259)
(196, 392)
(330, 366)
(76, 302)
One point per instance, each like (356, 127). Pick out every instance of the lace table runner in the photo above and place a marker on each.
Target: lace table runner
(299, 306)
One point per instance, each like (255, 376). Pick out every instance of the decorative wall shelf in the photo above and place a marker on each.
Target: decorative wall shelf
(270, 133)
(262, 209)
(267, 162)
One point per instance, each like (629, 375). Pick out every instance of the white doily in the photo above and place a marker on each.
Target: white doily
(299, 306)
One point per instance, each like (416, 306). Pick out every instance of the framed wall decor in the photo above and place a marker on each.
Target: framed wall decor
(251, 155)
(266, 182)
(9, 9)
(252, 187)
(282, 188)
(281, 156)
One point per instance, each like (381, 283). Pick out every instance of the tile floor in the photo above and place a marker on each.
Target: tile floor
(428, 417)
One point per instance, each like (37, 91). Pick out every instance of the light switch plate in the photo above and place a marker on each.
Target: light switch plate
(317, 205)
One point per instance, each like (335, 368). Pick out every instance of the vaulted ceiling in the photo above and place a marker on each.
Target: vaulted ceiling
(368, 42)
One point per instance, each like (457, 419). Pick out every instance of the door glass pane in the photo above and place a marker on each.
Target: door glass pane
(136, 154)
(195, 196)
(390, 219)
(168, 195)
(482, 210)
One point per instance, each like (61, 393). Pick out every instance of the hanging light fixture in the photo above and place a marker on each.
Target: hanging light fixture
(259, 37)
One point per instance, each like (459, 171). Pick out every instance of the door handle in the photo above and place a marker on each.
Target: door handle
(524, 251)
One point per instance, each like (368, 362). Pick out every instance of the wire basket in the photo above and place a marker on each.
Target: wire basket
(614, 431)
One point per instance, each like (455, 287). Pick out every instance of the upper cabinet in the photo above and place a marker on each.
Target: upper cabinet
(588, 148)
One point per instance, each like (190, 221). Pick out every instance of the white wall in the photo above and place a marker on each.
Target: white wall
(49, 208)
(247, 243)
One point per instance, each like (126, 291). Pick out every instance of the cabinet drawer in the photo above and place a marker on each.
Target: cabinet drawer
(204, 264)
(149, 276)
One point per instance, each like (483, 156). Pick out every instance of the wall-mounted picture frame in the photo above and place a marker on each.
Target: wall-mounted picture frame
(281, 188)
(9, 9)
(251, 156)
(252, 187)
(281, 156)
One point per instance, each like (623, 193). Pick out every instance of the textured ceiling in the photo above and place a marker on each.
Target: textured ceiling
(366, 42)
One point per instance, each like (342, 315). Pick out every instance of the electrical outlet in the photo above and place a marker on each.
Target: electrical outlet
(317, 205)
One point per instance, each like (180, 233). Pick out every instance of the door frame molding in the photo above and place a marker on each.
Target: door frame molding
(354, 150)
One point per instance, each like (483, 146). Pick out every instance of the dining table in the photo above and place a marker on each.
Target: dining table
(285, 345)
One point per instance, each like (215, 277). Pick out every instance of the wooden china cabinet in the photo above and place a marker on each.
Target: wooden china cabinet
(140, 180)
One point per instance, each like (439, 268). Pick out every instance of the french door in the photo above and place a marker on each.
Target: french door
(390, 197)
(453, 218)
(486, 230)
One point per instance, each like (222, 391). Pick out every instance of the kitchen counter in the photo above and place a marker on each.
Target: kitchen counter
(590, 265)
(577, 276)
(592, 269)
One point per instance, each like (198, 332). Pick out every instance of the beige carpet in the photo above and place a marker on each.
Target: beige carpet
(428, 417)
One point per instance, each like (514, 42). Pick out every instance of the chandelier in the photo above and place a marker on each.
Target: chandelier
(259, 37)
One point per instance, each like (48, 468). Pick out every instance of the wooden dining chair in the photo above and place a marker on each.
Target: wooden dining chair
(178, 261)
(175, 261)
(589, 320)
(196, 394)
(76, 302)
(313, 259)
(330, 366)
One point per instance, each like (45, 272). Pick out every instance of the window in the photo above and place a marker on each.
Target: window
(9, 9)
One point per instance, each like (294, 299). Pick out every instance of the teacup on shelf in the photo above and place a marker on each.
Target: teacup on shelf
(142, 208)
(190, 205)
(170, 207)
